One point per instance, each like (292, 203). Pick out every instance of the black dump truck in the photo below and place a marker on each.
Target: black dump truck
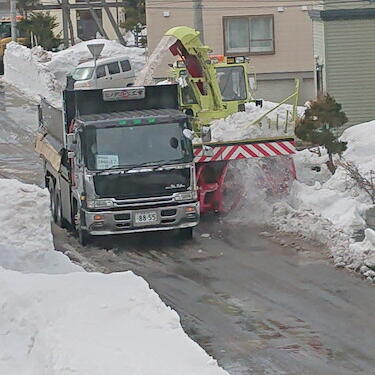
(119, 161)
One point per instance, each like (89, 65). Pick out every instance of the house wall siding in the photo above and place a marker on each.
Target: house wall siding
(292, 33)
(334, 4)
(319, 49)
(293, 55)
(350, 67)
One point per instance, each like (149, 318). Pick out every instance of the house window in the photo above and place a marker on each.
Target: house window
(249, 35)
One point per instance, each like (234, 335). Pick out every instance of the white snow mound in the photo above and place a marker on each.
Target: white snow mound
(40, 73)
(332, 209)
(57, 321)
(92, 324)
(238, 126)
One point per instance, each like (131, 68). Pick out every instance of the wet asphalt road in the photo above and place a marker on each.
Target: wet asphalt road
(257, 307)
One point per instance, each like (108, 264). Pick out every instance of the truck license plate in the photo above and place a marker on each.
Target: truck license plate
(147, 217)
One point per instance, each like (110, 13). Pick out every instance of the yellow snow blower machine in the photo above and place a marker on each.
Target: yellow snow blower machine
(214, 87)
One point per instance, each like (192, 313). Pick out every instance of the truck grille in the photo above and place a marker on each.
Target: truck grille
(143, 184)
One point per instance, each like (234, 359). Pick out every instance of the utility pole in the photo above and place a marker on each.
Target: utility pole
(113, 23)
(97, 20)
(198, 17)
(13, 13)
(65, 17)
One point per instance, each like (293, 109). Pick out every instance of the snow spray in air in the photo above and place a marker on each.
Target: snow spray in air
(145, 76)
(257, 184)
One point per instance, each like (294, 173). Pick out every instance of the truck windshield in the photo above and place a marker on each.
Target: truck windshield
(128, 146)
(232, 82)
(81, 74)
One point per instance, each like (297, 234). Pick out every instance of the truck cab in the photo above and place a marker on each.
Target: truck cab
(126, 165)
(234, 78)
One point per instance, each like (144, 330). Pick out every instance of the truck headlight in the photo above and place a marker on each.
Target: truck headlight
(82, 84)
(99, 203)
(185, 196)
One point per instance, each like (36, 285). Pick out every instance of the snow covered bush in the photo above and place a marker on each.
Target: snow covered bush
(316, 126)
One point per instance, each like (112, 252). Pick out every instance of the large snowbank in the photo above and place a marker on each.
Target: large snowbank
(332, 209)
(238, 125)
(57, 319)
(89, 323)
(26, 241)
(41, 73)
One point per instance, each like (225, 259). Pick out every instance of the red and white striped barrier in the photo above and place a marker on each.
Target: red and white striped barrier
(245, 151)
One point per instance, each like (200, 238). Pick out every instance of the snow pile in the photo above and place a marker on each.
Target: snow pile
(24, 70)
(333, 210)
(24, 216)
(41, 73)
(88, 323)
(238, 125)
(252, 186)
(57, 319)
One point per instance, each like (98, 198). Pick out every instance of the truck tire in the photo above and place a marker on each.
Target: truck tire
(52, 201)
(83, 237)
(57, 216)
(186, 233)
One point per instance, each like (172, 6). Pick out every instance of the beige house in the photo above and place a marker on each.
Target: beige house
(277, 35)
(344, 50)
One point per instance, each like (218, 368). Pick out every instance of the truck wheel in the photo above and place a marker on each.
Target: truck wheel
(83, 237)
(57, 216)
(186, 233)
(52, 202)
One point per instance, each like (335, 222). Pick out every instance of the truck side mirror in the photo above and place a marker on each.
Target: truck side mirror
(71, 143)
(189, 134)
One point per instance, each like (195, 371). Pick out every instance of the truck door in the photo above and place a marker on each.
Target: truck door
(113, 79)
(128, 75)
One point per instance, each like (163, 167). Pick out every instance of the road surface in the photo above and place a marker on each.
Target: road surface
(257, 307)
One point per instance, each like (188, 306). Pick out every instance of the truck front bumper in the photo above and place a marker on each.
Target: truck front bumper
(99, 223)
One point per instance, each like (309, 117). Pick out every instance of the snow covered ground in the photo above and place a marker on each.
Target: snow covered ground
(332, 209)
(238, 125)
(329, 210)
(41, 73)
(57, 319)
(318, 206)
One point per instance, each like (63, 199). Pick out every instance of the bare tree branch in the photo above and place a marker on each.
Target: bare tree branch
(364, 182)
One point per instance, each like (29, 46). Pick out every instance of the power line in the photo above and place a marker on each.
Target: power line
(213, 8)
(169, 4)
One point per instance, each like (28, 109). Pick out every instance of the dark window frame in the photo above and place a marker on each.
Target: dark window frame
(100, 67)
(128, 63)
(249, 53)
(113, 63)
